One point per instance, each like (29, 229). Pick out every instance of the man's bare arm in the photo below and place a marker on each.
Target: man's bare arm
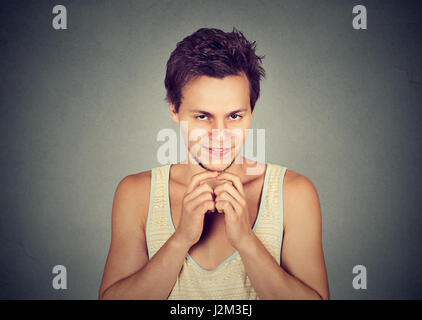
(303, 272)
(128, 274)
(155, 279)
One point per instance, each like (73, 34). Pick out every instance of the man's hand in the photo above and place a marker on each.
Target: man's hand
(198, 200)
(230, 199)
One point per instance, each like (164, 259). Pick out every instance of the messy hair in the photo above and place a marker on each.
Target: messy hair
(214, 53)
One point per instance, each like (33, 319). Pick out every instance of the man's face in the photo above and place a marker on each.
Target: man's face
(217, 113)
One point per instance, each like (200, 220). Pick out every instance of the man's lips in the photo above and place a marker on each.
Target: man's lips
(217, 150)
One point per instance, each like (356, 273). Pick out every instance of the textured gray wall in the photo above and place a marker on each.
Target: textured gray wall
(81, 108)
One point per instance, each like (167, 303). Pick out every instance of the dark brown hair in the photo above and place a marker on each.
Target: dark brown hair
(214, 53)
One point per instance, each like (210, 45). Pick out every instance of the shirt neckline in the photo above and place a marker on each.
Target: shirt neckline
(260, 210)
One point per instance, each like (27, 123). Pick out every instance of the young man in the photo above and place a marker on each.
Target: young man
(213, 229)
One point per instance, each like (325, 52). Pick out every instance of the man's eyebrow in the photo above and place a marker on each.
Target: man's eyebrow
(210, 114)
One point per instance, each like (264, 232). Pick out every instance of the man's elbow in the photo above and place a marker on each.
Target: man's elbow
(323, 296)
(105, 294)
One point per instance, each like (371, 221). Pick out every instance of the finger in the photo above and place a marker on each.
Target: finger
(229, 188)
(234, 179)
(212, 182)
(199, 201)
(224, 206)
(209, 206)
(225, 196)
(205, 206)
(198, 177)
(197, 191)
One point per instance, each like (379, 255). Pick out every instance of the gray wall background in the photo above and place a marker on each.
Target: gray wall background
(81, 108)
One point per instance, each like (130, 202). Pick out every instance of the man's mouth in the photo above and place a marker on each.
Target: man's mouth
(217, 151)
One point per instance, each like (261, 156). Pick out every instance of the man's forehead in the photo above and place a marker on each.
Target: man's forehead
(210, 110)
(195, 81)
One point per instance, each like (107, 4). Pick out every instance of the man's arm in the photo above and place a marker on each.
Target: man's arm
(128, 274)
(303, 272)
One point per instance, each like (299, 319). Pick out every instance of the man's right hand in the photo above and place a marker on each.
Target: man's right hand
(198, 199)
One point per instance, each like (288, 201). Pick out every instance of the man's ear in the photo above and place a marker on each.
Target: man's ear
(173, 114)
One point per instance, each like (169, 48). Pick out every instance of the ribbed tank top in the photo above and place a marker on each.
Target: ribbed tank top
(228, 280)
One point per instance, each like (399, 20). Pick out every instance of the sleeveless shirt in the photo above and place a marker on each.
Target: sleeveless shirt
(228, 280)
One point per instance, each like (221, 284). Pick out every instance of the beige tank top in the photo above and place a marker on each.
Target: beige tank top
(228, 280)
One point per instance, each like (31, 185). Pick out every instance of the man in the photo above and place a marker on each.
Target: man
(215, 228)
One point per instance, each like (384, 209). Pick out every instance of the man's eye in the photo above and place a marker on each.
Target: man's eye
(237, 116)
(202, 115)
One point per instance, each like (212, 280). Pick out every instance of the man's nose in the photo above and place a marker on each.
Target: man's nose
(220, 136)
(219, 125)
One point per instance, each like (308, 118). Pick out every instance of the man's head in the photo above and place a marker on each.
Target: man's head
(213, 82)
(214, 53)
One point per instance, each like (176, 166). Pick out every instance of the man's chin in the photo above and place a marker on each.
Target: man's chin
(212, 164)
(217, 165)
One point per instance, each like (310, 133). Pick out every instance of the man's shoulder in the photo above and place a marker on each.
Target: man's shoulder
(297, 183)
(300, 195)
(135, 181)
(291, 177)
(139, 181)
(133, 191)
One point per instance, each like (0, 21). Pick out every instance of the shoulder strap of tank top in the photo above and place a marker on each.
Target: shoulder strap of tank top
(157, 229)
(270, 228)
